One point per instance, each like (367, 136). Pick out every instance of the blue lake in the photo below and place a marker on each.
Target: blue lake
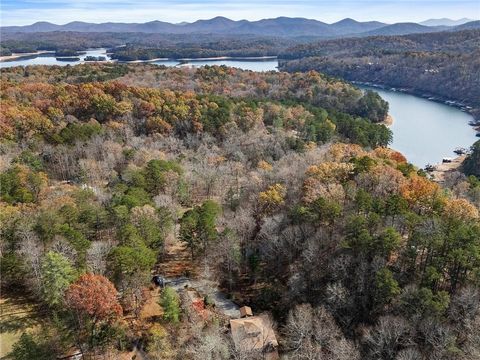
(50, 59)
(426, 131)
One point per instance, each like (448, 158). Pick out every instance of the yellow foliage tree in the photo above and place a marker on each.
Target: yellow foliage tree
(331, 171)
(272, 198)
(344, 152)
(263, 165)
(460, 209)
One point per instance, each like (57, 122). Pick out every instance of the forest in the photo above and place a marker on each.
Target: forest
(442, 65)
(276, 189)
(145, 46)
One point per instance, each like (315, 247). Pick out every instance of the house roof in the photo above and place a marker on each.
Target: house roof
(253, 333)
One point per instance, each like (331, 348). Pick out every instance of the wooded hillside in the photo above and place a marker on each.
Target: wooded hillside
(277, 187)
(442, 65)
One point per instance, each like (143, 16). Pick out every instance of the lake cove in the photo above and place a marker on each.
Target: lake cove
(426, 131)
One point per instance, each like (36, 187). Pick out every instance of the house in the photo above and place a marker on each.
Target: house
(254, 334)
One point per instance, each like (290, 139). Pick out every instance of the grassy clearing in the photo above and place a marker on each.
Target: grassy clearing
(17, 316)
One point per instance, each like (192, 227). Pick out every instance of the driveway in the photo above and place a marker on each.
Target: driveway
(205, 287)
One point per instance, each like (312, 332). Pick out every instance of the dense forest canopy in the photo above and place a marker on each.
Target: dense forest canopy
(313, 106)
(451, 42)
(278, 186)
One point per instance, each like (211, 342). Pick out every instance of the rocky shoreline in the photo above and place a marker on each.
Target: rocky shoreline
(388, 120)
(438, 174)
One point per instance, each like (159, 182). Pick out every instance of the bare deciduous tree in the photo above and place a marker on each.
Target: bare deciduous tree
(31, 250)
(390, 334)
(97, 255)
(311, 333)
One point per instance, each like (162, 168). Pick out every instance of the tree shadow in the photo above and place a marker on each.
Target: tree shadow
(18, 314)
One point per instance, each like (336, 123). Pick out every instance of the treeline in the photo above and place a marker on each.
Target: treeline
(53, 41)
(132, 53)
(5, 51)
(201, 48)
(442, 65)
(471, 165)
(66, 53)
(354, 252)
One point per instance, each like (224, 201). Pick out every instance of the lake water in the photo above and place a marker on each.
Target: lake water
(423, 130)
(426, 131)
(254, 65)
(49, 59)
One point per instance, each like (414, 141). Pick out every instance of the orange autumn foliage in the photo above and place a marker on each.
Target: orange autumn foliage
(94, 296)
(421, 192)
(389, 154)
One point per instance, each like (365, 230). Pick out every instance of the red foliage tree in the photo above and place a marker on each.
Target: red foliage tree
(94, 296)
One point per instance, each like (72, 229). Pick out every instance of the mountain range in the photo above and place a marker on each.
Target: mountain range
(281, 26)
(445, 22)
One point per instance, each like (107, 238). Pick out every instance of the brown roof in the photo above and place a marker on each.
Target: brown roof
(253, 333)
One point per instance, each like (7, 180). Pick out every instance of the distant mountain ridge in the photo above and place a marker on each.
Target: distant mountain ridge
(405, 29)
(469, 26)
(445, 22)
(281, 26)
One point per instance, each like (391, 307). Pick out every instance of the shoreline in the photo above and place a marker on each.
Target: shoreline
(389, 120)
(141, 61)
(218, 58)
(462, 107)
(438, 175)
(17, 56)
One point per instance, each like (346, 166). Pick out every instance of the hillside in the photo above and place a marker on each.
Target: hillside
(351, 26)
(469, 26)
(152, 45)
(442, 65)
(445, 22)
(403, 29)
(272, 190)
(273, 37)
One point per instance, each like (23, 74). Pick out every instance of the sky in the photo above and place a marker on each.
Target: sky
(24, 12)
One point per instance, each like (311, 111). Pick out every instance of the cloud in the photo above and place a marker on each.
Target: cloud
(21, 12)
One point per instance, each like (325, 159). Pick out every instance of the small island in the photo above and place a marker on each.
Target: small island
(95, 58)
(66, 53)
(73, 58)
